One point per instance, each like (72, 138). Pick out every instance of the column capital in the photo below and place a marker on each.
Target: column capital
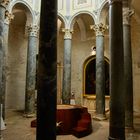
(8, 17)
(113, 1)
(99, 28)
(68, 33)
(127, 13)
(4, 3)
(32, 30)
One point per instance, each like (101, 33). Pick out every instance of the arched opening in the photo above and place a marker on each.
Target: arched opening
(17, 58)
(90, 77)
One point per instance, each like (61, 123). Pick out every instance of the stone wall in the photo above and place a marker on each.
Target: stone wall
(16, 67)
(135, 34)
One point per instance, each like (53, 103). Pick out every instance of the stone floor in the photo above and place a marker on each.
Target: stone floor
(18, 128)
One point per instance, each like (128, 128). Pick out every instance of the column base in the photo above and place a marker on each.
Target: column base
(29, 115)
(129, 129)
(100, 117)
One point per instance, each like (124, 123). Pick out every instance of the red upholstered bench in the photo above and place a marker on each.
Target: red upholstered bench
(33, 123)
(84, 126)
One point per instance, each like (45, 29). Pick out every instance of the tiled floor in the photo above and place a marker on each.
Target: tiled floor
(18, 128)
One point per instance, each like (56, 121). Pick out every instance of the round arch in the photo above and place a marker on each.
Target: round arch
(63, 19)
(104, 12)
(29, 12)
(82, 24)
(89, 76)
(73, 18)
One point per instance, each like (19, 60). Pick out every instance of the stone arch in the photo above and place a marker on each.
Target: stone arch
(78, 18)
(61, 20)
(73, 18)
(17, 54)
(29, 11)
(104, 12)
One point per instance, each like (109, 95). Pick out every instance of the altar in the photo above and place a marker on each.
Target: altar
(71, 119)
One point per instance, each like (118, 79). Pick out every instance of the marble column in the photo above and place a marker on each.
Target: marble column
(8, 18)
(47, 72)
(31, 70)
(128, 69)
(117, 96)
(3, 5)
(100, 71)
(66, 91)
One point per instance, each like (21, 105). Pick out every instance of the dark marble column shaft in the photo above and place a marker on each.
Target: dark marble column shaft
(31, 70)
(128, 68)
(8, 18)
(117, 98)
(100, 71)
(66, 92)
(46, 72)
(3, 5)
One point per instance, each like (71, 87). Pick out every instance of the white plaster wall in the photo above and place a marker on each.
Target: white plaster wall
(60, 48)
(16, 72)
(135, 35)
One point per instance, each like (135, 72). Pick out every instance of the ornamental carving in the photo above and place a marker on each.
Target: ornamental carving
(33, 30)
(68, 33)
(8, 17)
(99, 28)
(4, 3)
(127, 13)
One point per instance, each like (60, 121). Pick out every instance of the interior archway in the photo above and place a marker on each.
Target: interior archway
(90, 77)
(17, 58)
